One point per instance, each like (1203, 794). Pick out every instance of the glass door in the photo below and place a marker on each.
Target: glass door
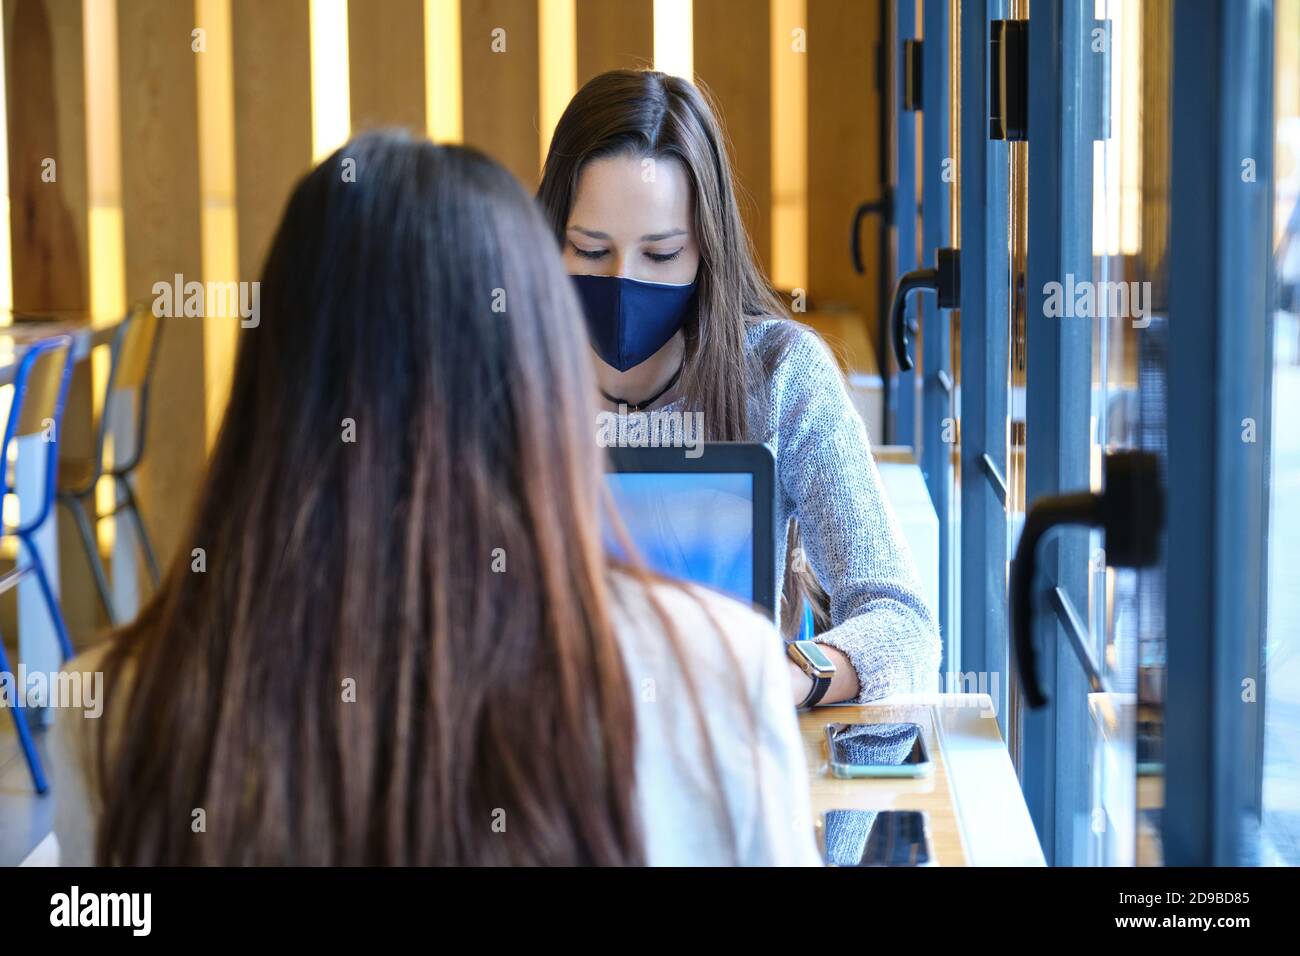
(1089, 338)
(1127, 410)
(903, 412)
(937, 381)
(1281, 763)
(982, 350)
(923, 398)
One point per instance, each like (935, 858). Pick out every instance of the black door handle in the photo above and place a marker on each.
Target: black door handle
(944, 279)
(1130, 511)
(876, 207)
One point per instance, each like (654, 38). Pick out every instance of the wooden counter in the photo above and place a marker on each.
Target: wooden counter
(976, 813)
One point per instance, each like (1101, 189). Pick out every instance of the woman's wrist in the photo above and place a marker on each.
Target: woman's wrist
(800, 682)
(844, 686)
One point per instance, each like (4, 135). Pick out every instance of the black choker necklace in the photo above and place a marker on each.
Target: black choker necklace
(640, 406)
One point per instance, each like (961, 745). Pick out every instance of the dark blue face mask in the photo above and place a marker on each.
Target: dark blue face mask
(629, 320)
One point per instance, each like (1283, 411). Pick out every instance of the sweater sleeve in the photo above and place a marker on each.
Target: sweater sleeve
(851, 538)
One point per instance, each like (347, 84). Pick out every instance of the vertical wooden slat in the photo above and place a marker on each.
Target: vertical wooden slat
(733, 66)
(843, 153)
(216, 91)
(46, 84)
(789, 65)
(46, 109)
(160, 216)
(501, 89)
(272, 72)
(1157, 78)
(442, 74)
(613, 36)
(386, 64)
(558, 64)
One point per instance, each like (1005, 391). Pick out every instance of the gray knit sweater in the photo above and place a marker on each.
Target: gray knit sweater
(827, 481)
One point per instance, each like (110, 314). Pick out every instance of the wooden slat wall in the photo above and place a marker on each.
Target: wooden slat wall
(272, 73)
(160, 215)
(733, 65)
(843, 151)
(614, 35)
(386, 64)
(273, 148)
(500, 90)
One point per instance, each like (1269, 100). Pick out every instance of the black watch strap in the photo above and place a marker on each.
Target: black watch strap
(820, 685)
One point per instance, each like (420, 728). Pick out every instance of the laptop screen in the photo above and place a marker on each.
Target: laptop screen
(695, 526)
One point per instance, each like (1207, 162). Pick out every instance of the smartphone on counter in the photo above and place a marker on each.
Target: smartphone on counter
(875, 838)
(877, 750)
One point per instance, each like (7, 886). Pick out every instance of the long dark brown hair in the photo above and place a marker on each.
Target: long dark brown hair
(395, 645)
(647, 114)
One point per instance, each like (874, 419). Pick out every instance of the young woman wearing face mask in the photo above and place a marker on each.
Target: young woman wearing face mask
(639, 191)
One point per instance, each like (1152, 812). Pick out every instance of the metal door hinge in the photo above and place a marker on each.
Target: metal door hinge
(912, 87)
(1009, 80)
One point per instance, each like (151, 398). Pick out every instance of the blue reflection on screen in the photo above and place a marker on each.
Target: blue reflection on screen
(696, 527)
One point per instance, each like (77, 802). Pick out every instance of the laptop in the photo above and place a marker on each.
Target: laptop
(708, 519)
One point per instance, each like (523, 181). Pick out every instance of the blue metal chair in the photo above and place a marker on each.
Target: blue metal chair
(134, 354)
(40, 390)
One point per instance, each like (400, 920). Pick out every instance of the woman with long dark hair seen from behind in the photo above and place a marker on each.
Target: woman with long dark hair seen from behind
(406, 644)
(639, 193)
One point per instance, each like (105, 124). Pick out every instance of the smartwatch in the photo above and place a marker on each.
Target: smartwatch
(812, 660)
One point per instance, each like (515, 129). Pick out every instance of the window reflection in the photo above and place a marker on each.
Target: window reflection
(1281, 784)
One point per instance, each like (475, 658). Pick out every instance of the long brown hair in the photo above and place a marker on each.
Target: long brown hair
(400, 648)
(648, 114)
